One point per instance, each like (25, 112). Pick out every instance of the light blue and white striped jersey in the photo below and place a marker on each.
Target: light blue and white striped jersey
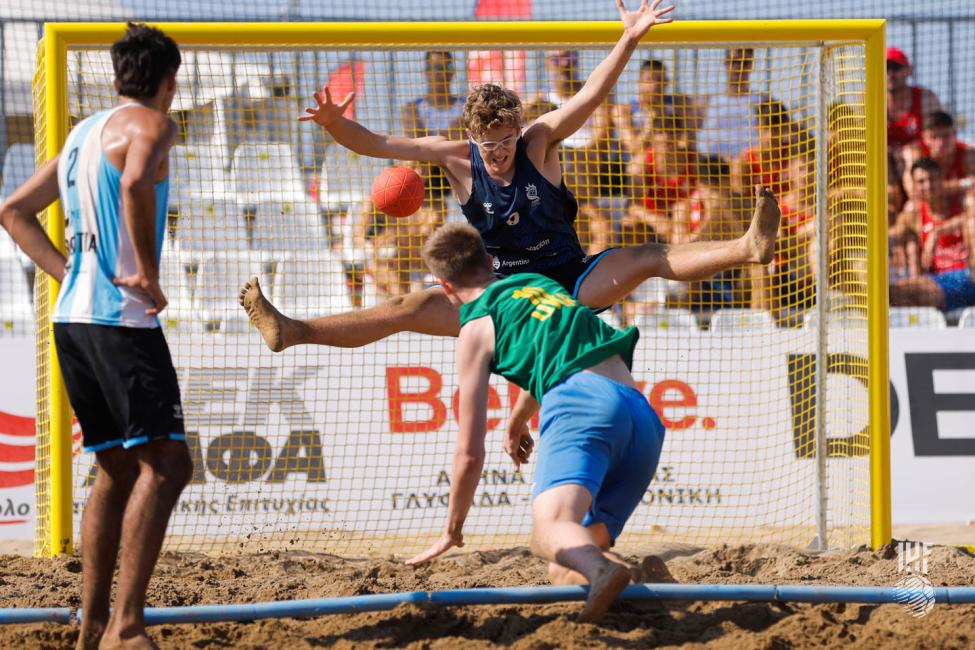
(98, 244)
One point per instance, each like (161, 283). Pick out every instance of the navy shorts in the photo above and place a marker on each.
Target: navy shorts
(958, 287)
(121, 384)
(604, 436)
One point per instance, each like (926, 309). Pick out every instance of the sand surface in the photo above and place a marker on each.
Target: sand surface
(188, 579)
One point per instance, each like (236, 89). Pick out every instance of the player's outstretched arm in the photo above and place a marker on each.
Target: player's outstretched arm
(352, 135)
(18, 216)
(474, 352)
(566, 120)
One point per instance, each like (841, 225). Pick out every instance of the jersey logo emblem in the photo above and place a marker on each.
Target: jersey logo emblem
(488, 208)
(532, 193)
(513, 219)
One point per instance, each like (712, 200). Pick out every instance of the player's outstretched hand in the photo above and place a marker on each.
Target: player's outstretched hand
(151, 287)
(519, 445)
(638, 23)
(327, 111)
(441, 546)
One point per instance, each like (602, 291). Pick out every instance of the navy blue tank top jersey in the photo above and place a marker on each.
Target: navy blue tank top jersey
(528, 225)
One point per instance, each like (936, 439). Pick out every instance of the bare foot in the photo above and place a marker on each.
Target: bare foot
(90, 636)
(603, 590)
(652, 569)
(764, 228)
(268, 320)
(135, 642)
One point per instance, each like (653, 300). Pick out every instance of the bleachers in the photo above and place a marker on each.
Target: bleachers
(742, 320)
(675, 319)
(18, 165)
(928, 317)
(16, 308)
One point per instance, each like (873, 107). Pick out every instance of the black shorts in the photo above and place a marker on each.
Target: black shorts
(572, 273)
(121, 384)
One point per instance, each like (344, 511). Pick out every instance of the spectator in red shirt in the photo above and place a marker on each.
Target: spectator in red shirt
(946, 244)
(906, 104)
(939, 141)
(767, 163)
(662, 175)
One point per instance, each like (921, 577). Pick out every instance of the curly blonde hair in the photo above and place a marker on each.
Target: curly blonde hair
(490, 106)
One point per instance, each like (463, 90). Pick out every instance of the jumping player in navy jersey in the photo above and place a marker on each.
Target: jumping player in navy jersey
(510, 187)
(113, 180)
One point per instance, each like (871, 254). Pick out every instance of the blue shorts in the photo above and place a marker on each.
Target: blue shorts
(958, 287)
(603, 436)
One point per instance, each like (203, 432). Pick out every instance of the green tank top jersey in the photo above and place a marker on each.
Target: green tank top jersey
(542, 335)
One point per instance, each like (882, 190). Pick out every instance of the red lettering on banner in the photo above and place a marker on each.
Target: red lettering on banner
(494, 402)
(397, 397)
(19, 459)
(660, 401)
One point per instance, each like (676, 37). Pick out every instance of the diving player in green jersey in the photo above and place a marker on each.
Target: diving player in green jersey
(599, 438)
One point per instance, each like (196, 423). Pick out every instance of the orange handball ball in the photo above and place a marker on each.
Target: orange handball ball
(398, 191)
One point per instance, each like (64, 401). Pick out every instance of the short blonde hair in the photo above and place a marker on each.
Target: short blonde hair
(490, 106)
(456, 253)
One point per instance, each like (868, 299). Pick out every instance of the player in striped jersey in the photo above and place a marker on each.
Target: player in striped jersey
(112, 178)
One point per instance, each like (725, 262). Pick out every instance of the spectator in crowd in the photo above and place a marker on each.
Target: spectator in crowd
(436, 112)
(729, 123)
(634, 120)
(947, 234)
(939, 142)
(906, 104)
(661, 175)
(587, 152)
(903, 245)
(792, 282)
(767, 163)
(715, 210)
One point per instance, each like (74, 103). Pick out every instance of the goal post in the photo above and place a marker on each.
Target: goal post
(345, 450)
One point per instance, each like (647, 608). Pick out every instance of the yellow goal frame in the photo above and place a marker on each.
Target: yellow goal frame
(52, 124)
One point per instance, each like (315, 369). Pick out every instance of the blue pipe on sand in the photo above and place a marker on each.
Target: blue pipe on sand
(546, 594)
(35, 615)
(524, 595)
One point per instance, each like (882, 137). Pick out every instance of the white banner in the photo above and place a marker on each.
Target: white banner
(362, 439)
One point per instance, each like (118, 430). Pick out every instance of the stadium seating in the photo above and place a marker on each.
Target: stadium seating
(967, 319)
(742, 320)
(345, 178)
(210, 224)
(16, 310)
(928, 317)
(218, 283)
(660, 317)
(195, 171)
(284, 226)
(311, 285)
(18, 165)
(267, 172)
(846, 318)
(177, 278)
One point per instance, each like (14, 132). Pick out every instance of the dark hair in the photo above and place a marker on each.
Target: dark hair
(927, 164)
(712, 168)
(772, 113)
(141, 59)
(653, 65)
(938, 120)
(441, 53)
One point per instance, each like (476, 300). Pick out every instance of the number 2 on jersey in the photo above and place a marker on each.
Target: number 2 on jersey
(72, 162)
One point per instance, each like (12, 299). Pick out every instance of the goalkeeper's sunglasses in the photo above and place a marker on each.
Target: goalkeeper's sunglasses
(491, 145)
